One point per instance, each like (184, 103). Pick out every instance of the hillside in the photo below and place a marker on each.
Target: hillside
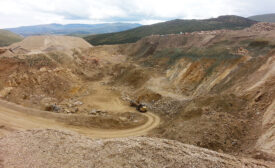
(263, 18)
(171, 27)
(72, 29)
(7, 38)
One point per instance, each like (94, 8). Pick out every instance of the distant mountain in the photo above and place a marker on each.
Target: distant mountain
(7, 38)
(174, 26)
(263, 18)
(72, 29)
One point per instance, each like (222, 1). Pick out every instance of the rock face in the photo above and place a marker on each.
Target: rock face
(52, 148)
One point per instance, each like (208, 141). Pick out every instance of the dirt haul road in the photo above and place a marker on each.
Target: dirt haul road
(15, 117)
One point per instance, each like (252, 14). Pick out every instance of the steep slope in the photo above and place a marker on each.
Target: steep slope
(170, 27)
(7, 38)
(72, 29)
(64, 149)
(212, 88)
(263, 18)
(41, 66)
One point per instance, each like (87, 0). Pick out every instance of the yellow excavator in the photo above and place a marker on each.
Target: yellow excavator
(139, 106)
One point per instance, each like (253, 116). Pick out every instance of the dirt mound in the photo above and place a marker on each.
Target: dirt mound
(51, 148)
(38, 44)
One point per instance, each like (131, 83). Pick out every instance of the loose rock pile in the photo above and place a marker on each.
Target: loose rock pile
(259, 27)
(52, 148)
(167, 106)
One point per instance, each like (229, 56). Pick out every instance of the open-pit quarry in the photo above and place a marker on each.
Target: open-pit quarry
(210, 97)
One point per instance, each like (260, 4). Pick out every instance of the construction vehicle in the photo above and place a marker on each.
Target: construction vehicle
(139, 106)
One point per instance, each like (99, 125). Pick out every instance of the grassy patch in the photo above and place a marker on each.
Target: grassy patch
(7, 38)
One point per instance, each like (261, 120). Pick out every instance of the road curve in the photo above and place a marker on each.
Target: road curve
(15, 117)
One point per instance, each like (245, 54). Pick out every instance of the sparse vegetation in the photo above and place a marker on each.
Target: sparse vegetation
(264, 18)
(7, 38)
(259, 43)
(39, 60)
(170, 27)
(195, 54)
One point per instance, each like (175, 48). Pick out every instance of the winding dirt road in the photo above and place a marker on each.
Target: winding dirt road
(15, 117)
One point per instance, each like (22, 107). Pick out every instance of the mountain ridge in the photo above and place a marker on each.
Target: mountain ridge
(264, 18)
(72, 29)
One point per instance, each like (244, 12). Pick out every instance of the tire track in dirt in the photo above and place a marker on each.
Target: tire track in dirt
(14, 117)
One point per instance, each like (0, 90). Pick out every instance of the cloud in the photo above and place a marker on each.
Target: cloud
(28, 12)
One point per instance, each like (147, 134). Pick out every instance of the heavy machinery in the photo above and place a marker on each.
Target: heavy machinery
(139, 106)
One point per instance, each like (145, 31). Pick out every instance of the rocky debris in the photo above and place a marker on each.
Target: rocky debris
(47, 101)
(69, 106)
(54, 148)
(53, 108)
(69, 103)
(93, 112)
(167, 106)
(260, 27)
(98, 112)
(123, 118)
(210, 32)
(44, 69)
(77, 103)
(125, 98)
(242, 51)
(4, 92)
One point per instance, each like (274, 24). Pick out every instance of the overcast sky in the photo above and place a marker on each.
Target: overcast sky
(15, 13)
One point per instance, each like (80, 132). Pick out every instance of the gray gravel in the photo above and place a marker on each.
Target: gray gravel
(56, 149)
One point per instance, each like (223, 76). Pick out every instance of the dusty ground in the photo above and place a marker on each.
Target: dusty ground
(15, 117)
(65, 149)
